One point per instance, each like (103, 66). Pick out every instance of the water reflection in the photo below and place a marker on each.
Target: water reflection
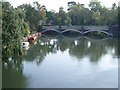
(79, 49)
(12, 76)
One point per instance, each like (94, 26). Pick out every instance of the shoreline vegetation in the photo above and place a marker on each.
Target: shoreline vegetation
(19, 23)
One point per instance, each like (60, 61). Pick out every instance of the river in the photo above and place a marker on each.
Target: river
(55, 62)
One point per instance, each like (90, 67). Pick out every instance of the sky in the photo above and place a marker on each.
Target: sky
(55, 4)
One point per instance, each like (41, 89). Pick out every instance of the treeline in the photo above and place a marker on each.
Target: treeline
(26, 18)
(77, 14)
(95, 14)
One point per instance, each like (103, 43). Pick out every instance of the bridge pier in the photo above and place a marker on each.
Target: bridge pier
(114, 31)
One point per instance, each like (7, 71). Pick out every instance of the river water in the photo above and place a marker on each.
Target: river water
(64, 63)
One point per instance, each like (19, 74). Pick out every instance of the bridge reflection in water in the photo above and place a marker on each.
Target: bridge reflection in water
(76, 37)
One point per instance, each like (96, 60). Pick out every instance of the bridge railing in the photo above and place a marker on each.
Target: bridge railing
(71, 27)
(77, 27)
(96, 27)
(50, 27)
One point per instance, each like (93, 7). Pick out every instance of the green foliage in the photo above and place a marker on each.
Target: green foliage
(94, 15)
(33, 14)
(77, 14)
(13, 29)
(61, 18)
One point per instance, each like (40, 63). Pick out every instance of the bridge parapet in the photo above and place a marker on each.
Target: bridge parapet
(71, 27)
(77, 27)
(96, 28)
(51, 27)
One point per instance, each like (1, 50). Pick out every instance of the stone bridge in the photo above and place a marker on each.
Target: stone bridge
(79, 29)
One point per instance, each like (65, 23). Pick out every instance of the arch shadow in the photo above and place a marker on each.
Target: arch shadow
(50, 30)
(73, 30)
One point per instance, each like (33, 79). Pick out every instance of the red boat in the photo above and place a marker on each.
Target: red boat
(32, 39)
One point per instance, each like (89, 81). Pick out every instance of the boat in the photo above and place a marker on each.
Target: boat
(32, 39)
(25, 44)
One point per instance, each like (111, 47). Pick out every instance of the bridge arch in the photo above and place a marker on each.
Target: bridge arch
(91, 39)
(74, 30)
(103, 31)
(48, 30)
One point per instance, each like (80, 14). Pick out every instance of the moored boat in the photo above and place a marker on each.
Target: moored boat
(32, 39)
(25, 44)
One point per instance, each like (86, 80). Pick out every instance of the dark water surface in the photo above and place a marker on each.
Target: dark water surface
(65, 63)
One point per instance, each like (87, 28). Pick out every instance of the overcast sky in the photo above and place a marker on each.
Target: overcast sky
(55, 4)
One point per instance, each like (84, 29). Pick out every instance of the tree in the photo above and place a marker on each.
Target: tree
(50, 17)
(95, 5)
(79, 14)
(13, 29)
(63, 16)
(114, 12)
(33, 14)
(41, 10)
